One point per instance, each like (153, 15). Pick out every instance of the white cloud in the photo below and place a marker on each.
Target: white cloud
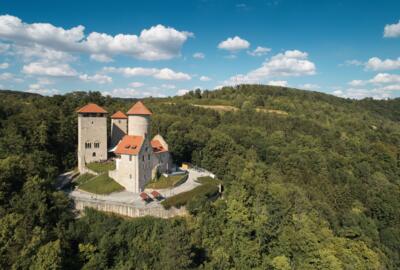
(259, 51)
(376, 63)
(287, 64)
(43, 91)
(204, 79)
(234, 44)
(4, 65)
(353, 62)
(49, 69)
(97, 78)
(136, 84)
(4, 47)
(360, 93)
(168, 86)
(385, 78)
(182, 92)
(6, 76)
(392, 30)
(199, 55)
(278, 83)
(357, 82)
(157, 43)
(161, 74)
(310, 86)
(391, 87)
(132, 93)
(101, 58)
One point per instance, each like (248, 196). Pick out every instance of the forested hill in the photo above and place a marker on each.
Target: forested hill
(312, 181)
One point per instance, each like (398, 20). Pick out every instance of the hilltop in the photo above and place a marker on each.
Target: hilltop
(316, 186)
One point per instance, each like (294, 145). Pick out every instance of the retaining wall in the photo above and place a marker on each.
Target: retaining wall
(127, 209)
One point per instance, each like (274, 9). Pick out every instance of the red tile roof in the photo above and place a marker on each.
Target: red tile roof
(155, 194)
(91, 108)
(144, 196)
(157, 146)
(119, 115)
(129, 145)
(139, 108)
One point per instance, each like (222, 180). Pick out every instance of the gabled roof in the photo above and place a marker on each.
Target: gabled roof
(139, 108)
(129, 145)
(91, 108)
(119, 115)
(157, 146)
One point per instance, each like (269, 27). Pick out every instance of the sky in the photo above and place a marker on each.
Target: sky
(165, 48)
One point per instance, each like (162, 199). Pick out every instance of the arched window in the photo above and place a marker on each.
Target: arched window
(96, 145)
(88, 145)
(94, 154)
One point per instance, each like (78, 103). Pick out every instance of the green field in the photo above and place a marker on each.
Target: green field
(168, 182)
(83, 178)
(101, 184)
(208, 190)
(101, 167)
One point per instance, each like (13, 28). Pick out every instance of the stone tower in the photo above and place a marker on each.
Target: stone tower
(119, 127)
(139, 120)
(92, 135)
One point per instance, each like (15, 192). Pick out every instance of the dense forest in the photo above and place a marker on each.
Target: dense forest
(312, 181)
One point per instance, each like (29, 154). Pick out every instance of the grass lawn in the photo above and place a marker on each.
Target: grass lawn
(207, 190)
(167, 182)
(83, 178)
(101, 184)
(101, 167)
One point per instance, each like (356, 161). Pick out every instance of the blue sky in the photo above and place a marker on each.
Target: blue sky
(162, 48)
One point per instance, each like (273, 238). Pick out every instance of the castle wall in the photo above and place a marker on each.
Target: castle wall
(127, 209)
(92, 130)
(119, 128)
(163, 161)
(145, 164)
(126, 172)
(138, 125)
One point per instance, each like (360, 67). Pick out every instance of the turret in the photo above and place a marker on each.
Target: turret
(119, 127)
(92, 135)
(139, 120)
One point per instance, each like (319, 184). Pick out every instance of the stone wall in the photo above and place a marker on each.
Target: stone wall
(126, 209)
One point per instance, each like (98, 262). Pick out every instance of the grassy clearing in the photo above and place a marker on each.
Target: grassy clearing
(168, 182)
(101, 167)
(83, 178)
(101, 184)
(206, 190)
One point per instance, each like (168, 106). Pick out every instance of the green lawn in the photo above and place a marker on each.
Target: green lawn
(101, 167)
(206, 190)
(101, 184)
(83, 178)
(167, 182)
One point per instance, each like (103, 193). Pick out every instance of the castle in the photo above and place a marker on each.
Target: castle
(138, 159)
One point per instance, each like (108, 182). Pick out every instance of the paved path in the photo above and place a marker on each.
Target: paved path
(134, 198)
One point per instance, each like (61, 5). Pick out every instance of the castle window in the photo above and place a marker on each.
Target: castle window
(96, 145)
(143, 158)
(130, 158)
(130, 176)
(119, 121)
(94, 154)
(88, 145)
(92, 122)
(148, 157)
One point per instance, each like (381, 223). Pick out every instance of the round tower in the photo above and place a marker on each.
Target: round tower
(139, 120)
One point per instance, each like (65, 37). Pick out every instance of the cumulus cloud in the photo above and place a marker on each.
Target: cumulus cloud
(182, 92)
(204, 79)
(168, 86)
(161, 74)
(136, 84)
(392, 30)
(156, 43)
(310, 86)
(234, 44)
(357, 82)
(97, 78)
(259, 51)
(131, 93)
(278, 83)
(4, 47)
(199, 55)
(353, 62)
(385, 78)
(291, 63)
(43, 91)
(377, 64)
(101, 58)
(6, 76)
(4, 65)
(360, 93)
(49, 69)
